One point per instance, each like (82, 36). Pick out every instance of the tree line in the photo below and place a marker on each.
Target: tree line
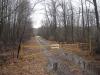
(15, 24)
(68, 22)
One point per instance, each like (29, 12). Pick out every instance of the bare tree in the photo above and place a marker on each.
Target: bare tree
(83, 20)
(98, 26)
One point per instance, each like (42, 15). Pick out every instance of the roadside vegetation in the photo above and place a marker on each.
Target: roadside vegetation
(71, 23)
(15, 27)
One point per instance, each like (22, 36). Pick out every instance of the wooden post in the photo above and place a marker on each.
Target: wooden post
(55, 66)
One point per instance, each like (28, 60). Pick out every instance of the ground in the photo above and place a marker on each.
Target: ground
(35, 56)
(31, 62)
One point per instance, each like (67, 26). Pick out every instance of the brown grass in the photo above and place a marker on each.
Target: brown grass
(31, 62)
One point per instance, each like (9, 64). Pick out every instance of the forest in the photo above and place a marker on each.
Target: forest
(15, 26)
(68, 22)
(66, 43)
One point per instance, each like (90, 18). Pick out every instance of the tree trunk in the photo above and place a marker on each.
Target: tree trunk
(83, 38)
(98, 27)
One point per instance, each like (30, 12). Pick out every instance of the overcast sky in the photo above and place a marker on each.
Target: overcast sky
(38, 15)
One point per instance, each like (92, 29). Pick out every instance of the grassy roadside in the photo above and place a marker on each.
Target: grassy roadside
(31, 62)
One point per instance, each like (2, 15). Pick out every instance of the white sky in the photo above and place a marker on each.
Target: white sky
(36, 19)
(38, 15)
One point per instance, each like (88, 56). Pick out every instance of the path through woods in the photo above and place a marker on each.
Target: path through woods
(32, 61)
(36, 58)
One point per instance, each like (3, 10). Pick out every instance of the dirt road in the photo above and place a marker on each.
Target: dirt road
(37, 58)
(57, 57)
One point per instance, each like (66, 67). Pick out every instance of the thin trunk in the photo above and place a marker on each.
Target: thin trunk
(83, 38)
(97, 22)
(20, 42)
(72, 25)
(78, 32)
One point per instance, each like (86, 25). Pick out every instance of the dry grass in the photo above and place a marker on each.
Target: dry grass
(75, 48)
(31, 62)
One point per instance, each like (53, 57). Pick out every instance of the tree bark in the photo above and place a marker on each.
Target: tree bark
(98, 26)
